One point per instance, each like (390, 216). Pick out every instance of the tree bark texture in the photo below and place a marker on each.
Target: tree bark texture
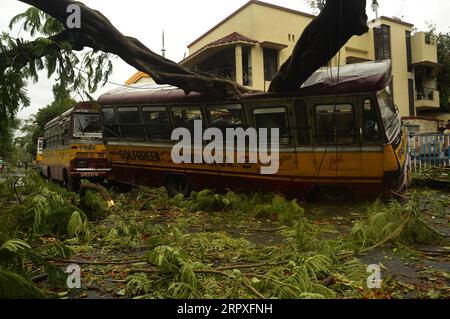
(321, 41)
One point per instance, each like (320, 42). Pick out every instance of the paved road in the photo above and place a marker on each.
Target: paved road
(15, 173)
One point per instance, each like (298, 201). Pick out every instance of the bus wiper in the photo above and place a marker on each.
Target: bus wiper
(81, 126)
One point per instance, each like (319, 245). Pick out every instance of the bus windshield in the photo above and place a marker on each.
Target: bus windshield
(389, 114)
(87, 125)
(40, 146)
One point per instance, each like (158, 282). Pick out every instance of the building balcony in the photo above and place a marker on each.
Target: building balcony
(427, 98)
(424, 48)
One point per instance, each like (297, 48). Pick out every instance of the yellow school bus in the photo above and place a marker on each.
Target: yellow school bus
(39, 149)
(73, 148)
(338, 138)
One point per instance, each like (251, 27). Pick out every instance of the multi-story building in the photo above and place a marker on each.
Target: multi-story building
(252, 43)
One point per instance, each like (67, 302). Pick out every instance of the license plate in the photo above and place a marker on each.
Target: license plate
(89, 174)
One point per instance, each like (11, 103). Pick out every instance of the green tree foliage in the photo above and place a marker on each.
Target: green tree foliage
(443, 77)
(443, 44)
(21, 61)
(7, 129)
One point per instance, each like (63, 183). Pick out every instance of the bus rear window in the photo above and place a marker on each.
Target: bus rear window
(87, 125)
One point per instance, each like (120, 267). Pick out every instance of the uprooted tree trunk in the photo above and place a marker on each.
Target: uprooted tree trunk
(98, 33)
(322, 39)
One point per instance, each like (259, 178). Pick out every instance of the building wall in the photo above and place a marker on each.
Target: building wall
(242, 23)
(360, 47)
(424, 125)
(252, 22)
(421, 50)
(399, 63)
(287, 24)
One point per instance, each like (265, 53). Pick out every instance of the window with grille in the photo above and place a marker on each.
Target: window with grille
(270, 64)
(409, 51)
(382, 35)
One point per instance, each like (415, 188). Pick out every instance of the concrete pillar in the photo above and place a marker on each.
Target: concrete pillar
(258, 69)
(239, 71)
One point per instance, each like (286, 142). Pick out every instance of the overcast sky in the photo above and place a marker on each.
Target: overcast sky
(186, 20)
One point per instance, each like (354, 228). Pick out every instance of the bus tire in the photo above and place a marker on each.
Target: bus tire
(178, 184)
(72, 184)
(334, 194)
(49, 174)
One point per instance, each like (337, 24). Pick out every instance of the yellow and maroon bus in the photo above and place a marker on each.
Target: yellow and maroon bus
(337, 137)
(39, 150)
(73, 147)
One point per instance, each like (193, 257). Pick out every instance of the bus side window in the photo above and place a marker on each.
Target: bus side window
(303, 127)
(110, 126)
(131, 124)
(66, 127)
(371, 128)
(226, 116)
(335, 124)
(186, 116)
(44, 141)
(157, 122)
(273, 118)
(52, 136)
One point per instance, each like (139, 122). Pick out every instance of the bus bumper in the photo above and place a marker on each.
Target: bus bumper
(398, 182)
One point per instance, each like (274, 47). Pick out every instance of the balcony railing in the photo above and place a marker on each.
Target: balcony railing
(425, 94)
(247, 76)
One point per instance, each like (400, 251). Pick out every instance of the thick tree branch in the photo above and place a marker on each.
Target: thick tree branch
(321, 41)
(98, 33)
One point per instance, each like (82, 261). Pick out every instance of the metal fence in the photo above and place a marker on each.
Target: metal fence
(429, 150)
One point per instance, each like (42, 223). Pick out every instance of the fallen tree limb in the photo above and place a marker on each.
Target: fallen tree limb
(98, 33)
(87, 262)
(19, 199)
(251, 266)
(99, 189)
(220, 269)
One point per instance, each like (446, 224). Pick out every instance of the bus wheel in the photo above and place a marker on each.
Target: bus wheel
(49, 174)
(178, 184)
(72, 184)
(334, 194)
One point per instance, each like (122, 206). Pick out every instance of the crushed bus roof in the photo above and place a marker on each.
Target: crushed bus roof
(348, 79)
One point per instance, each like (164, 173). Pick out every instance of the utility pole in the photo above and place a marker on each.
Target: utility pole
(163, 50)
(375, 7)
